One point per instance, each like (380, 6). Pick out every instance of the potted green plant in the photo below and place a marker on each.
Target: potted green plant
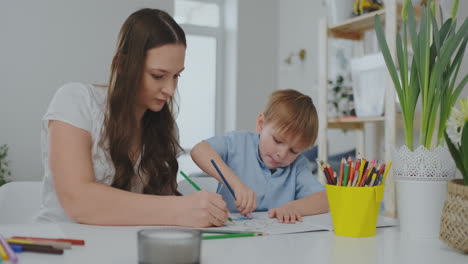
(453, 227)
(429, 75)
(5, 172)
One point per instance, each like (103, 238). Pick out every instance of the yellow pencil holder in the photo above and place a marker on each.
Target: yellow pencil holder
(354, 210)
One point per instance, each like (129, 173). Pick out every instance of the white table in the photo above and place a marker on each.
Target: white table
(119, 245)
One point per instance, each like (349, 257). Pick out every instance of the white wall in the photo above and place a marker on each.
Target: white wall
(44, 44)
(257, 47)
(298, 29)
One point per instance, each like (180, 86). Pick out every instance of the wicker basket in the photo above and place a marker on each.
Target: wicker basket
(454, 224)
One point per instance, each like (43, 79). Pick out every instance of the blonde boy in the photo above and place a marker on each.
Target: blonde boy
(266, 170)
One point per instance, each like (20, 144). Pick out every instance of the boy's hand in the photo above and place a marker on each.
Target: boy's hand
(246, 199)
(287, 214)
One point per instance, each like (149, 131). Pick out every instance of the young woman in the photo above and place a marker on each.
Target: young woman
(110, 154)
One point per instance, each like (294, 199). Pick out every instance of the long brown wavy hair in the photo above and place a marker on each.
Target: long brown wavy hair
(143, 30)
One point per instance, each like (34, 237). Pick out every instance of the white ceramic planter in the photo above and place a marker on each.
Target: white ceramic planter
(420, 207)
(421, 181)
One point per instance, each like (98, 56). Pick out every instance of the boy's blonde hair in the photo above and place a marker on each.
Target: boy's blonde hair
(294, 115)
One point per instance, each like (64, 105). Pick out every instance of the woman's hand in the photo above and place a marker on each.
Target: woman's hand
(202, 209)
(287, 214)
(246, 199)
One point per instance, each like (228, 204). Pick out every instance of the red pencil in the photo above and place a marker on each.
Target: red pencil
(327, 175)
(331, 172)
(72, 241)
(364, 177)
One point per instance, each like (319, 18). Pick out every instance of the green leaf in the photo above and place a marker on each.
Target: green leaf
(459, 88)
(453, 13)
(464, 151)
(413, 34)
(456, 155)
(436, 37)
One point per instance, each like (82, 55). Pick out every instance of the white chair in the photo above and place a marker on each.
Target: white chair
(19, 201)
(205, 183)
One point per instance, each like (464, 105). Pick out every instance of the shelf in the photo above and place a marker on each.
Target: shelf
(352, 122)
(354, 28)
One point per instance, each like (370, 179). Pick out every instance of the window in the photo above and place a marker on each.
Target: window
(200, 87)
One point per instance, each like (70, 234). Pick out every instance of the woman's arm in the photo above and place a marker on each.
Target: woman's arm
(88, 202)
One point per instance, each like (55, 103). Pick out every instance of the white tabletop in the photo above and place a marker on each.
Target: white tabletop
(119, 245)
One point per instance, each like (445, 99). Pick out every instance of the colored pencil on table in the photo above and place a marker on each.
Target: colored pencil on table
(214, 231)
(3, 254)
(39, 248)
(231, 236)
(10, 253)
(54, 244)
(197, 188)
(72, 241)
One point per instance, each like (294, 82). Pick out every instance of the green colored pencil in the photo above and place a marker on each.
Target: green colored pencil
(232, 236)
(197, 188)
(190, 181)
(346, 171)
(214, 231)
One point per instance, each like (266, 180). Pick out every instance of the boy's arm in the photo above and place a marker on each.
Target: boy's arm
(202, 154)
(316, 203)
(311, 198)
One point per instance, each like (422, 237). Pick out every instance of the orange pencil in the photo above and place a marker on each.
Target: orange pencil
(72, 241)
(351, 176)
(340, 179)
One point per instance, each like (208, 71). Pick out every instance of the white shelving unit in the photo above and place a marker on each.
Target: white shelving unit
(354, 29)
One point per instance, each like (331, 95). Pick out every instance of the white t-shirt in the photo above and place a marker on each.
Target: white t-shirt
(82, 106)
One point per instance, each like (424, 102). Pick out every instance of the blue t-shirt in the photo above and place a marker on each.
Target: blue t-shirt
(239, 150)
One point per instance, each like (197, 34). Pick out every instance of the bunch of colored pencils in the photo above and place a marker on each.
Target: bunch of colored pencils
(357, 173)
(9, 247)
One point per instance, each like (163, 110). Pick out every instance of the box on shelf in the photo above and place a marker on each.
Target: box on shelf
(369, 79)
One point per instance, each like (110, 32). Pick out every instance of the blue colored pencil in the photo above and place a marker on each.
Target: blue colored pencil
(224, 179)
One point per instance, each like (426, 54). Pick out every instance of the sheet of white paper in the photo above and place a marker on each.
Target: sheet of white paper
(261, 223)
